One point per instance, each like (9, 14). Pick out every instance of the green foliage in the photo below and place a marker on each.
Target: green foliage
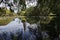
(36, 15)
(9, 13)
(42, 11)
(22, 13)
(29, 11)
(31, 14)
(2, 12)
(22, 2)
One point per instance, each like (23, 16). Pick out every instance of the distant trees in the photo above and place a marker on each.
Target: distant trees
(48, 13)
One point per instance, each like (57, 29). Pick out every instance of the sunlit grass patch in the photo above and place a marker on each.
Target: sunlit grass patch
(5, 21)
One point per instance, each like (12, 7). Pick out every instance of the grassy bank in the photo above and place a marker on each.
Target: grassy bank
(4, 21)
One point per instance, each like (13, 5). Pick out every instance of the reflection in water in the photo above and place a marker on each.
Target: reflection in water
(15, 31)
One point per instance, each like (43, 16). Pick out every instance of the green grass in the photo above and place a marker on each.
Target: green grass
(5, 21)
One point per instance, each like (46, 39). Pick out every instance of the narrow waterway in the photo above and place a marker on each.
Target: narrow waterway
(15, 31)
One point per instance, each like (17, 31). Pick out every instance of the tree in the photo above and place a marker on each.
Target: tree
(43, 10)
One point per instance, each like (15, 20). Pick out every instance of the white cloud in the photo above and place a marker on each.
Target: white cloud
(31, 3)
(2, 5)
